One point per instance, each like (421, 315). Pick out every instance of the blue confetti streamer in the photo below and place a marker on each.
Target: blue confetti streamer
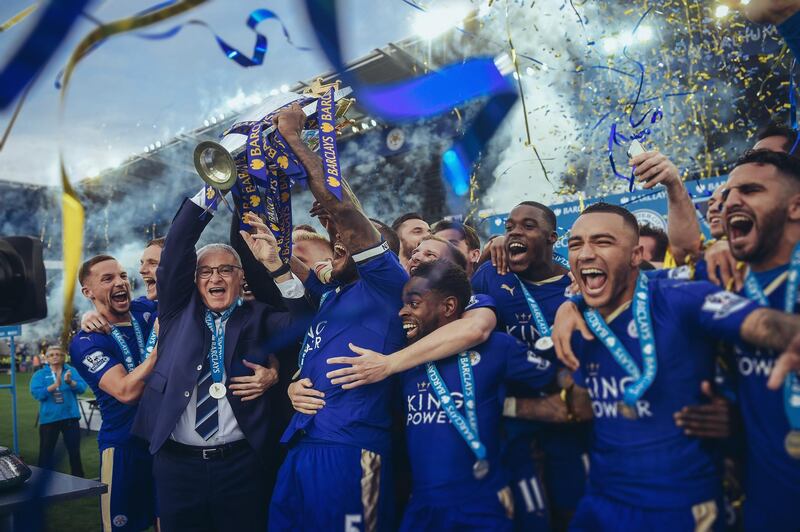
(253, 20)
(428, 95)
(50, 30)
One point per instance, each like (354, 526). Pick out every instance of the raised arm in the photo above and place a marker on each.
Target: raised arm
(683, 229)
(355, 229)
(176, 270)
(255, 273)
(473, 328)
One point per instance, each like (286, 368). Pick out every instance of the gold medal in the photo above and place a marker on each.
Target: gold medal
(792, 444)
(627, 411)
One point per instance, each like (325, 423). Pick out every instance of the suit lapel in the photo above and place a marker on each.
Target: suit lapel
(232, 330)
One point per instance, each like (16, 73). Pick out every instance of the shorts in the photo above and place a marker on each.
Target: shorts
(331, 487)
(596, 513)
(130, 502)
(493, 513)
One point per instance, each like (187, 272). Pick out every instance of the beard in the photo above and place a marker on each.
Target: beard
(770, 229)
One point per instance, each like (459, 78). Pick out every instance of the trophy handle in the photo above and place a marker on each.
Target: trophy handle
(215, 165)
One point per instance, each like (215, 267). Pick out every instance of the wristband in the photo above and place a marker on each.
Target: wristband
(280, 271)
(510, 407)
(367, 254)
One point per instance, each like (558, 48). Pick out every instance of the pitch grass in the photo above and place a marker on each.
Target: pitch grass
(81, 515)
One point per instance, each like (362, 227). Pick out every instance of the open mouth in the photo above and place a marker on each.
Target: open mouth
(120, 296)
(339, 250)
(516, 248)
(410, 328)
(149, 282)
(715, 220)
(594, 280)
(739, 226)
(216, 291)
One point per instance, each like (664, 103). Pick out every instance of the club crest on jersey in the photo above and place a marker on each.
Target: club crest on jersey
(120, 520)
(510, 289)
(522, 318)
(723, 304)
(682, 272)
(474, 357)
(95, 361)
(593, 368)
(423, 386)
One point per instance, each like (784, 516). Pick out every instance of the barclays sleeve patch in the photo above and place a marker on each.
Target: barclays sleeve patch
(95, 361)
(722, 304)
(539, 362)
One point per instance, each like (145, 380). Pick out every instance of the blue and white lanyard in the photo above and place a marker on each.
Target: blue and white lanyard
(304, 349)
(467, 428)
(642, 380)
(753, 290)
(217, 350)
(538, 316)
(151, 342)
(130, 363)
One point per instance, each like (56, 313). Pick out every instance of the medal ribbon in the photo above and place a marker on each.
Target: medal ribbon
(130, 363)
(753, 290)
(538, 316)
(644, 328)
(217, 350)
(151, 343)
(467, 428)
(326, 118)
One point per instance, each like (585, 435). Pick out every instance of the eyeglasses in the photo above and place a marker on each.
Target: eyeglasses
(225, 270)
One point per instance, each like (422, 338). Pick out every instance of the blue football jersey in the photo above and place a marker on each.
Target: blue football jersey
(93, 354)
(770, 471)
(364, 313)
(441, 461)
(649, 462)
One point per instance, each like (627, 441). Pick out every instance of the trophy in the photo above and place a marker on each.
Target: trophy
(215, 162)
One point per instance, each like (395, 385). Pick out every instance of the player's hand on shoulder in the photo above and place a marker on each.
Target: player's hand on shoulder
(93, 321)
(305, 399)
(495, 250)
(568, 319)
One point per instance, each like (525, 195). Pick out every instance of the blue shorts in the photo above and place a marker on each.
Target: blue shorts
(331, 487)
(492, 514)
(597, 513)
(531, 511)
(130, 502)
(566, 460)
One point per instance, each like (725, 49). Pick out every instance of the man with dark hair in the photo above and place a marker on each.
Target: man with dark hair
(410, 229)
(775, 137)
(527, 298)
(655, 244)
(335, 475)
(431, 248)
(458, 479)
(464, 237)
(116, 368)
(655, 344)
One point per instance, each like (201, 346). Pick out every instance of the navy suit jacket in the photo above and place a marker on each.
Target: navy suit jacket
(253, 331)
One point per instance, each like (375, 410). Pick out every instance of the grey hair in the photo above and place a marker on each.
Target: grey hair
(219, 247)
